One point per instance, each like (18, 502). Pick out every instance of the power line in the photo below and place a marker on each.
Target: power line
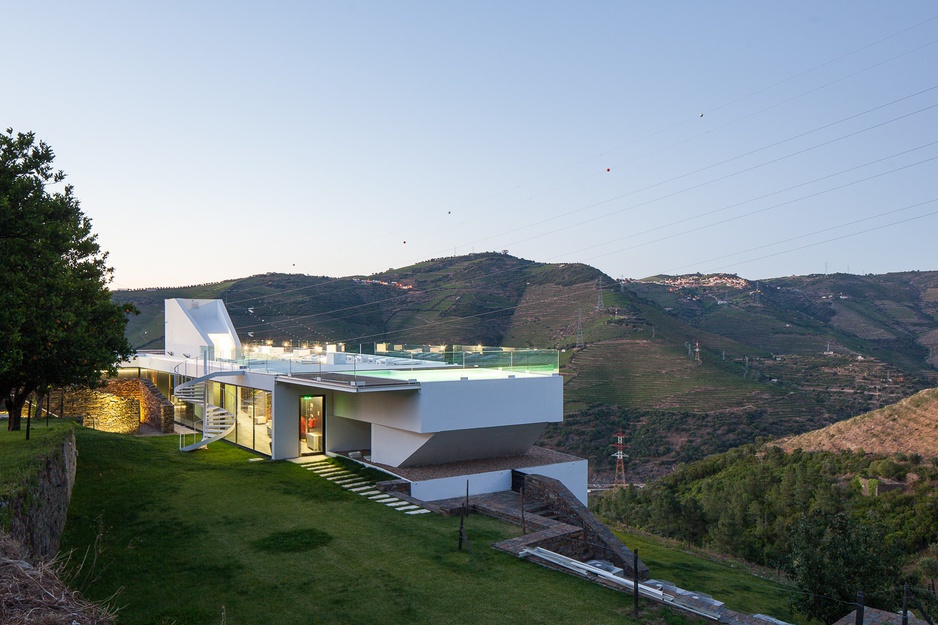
(846, 236)
(797, 75)
(593, 205)
(802, 236)
(674, 223)
(762, 210)
(707, 182)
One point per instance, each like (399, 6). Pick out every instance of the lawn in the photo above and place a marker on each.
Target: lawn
(728, 581)
(214, 537)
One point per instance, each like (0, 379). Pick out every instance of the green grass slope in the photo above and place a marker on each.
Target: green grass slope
(188, 538)
(211, 538)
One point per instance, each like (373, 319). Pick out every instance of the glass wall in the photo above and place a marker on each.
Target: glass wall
(251, 408)
(312, 409)
(162, 381)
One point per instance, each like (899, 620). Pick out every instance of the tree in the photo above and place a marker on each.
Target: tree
(58, 324)
(928, 567)
(833, 557)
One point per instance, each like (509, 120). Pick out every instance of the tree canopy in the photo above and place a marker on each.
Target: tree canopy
(834, 557)
(58, 324)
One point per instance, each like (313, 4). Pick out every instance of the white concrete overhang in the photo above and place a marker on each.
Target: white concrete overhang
(351, 384)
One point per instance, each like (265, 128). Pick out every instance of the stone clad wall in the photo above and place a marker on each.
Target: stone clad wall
(38, 509)
(155, 410)
(568, 509)
(101, 411)
(120, 406)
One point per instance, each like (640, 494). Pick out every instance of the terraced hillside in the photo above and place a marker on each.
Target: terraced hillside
(891, 317)
(909, 426)
(645, 373)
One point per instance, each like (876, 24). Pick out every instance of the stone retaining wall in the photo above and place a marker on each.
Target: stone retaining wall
(120, 406)
(38, 510)
(101, 411)
(568, 509)
(155, 410)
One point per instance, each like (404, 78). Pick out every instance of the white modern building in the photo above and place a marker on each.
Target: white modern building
(437, 417)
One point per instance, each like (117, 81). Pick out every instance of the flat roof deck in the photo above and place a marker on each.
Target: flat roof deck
(389, 379)
(447, 374)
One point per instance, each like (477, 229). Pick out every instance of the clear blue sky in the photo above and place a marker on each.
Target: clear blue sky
(224, 139)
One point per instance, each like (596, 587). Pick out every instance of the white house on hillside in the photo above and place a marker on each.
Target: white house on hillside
(435, 417)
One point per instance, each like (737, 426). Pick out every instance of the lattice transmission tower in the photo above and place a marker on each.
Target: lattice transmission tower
(620, 457)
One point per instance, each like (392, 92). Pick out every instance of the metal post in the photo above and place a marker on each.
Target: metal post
(635, 581)
(524, 527)
(905, 604)
(859, 620)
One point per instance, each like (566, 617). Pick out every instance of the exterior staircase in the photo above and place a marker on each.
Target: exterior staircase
(217, 422)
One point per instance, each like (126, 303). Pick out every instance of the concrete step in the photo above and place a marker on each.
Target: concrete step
(354, 484)
(347, 480)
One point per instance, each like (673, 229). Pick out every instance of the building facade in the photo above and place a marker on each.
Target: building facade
(442, 418)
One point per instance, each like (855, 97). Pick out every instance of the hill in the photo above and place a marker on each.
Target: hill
(909, 426)
(463, 300)
(891, 317)
(684, 366)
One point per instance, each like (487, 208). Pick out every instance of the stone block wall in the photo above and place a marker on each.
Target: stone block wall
(99, 410)
(155, 410)
(567, 509)
(38, 508)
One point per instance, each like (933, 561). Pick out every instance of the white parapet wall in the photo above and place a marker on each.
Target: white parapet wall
(572, 474)
(450, 487)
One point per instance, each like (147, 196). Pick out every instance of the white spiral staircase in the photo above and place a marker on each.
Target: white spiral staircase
(217, 422)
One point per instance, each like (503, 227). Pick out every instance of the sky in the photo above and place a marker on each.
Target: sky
(216, 140)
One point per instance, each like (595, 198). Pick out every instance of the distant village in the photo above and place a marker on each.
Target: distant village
(696, 280)
(405, 285)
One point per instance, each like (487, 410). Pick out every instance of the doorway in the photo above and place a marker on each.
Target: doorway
(312, 411)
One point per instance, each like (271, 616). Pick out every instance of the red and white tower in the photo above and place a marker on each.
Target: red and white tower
(620, 457)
